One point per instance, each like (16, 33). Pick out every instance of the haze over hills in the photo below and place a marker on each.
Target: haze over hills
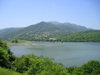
(41, 31)
(6, 31)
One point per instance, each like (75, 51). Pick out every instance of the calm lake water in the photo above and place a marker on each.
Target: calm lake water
(67, 53)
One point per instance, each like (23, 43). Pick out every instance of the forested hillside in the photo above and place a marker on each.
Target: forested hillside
(52, 31)
(44, 31)
(87, 36)
(4, 32)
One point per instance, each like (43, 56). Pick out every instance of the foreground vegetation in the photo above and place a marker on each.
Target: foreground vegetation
(4, 71)
(34, 65)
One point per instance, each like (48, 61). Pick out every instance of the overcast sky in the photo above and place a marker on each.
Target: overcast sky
(21, 13)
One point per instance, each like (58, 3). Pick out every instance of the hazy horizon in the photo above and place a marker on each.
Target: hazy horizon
(22, 13)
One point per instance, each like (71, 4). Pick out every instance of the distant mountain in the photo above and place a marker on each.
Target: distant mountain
(6, 31)
(43, 31)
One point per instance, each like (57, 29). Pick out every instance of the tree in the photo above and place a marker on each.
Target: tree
(6, 56)
(90, 68)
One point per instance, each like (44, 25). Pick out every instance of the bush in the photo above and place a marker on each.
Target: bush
(6, 56)
(4, 71)
(33, 65)
(91, 68)
(71, 69)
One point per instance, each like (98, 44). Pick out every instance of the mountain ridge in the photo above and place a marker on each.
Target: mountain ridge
(43, 31)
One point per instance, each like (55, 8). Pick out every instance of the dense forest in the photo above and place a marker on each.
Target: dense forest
(87, 36)
(35, 65)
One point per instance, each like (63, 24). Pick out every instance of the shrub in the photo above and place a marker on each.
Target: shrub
(90, 68)
(6, 56)
(4, 71)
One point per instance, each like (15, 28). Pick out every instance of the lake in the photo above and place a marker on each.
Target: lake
(67, 53)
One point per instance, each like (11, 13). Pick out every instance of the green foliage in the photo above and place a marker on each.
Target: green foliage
(91, 68)
(43, 31)
(4, 71)
(71, 69)
(87, 36)
(6, 56)
(34, 65)
(4, 32)
(3, 45)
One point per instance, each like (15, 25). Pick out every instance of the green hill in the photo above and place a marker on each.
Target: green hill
(44, 31)
(4, 32)
(87, 36)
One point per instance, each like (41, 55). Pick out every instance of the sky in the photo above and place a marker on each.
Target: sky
(22, 13)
